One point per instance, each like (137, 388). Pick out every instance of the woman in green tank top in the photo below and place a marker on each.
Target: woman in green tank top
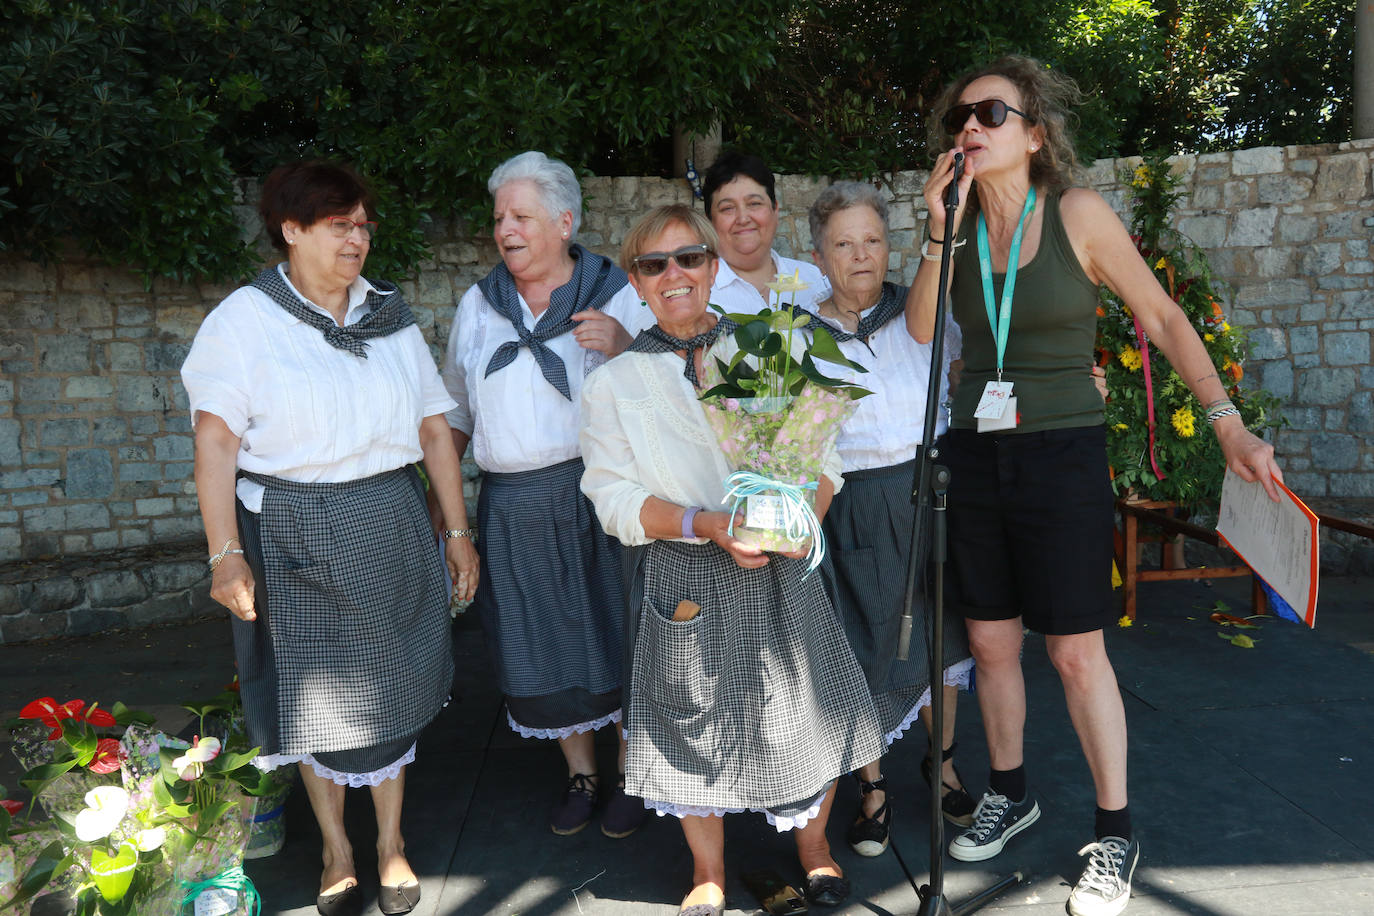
(1030, 505)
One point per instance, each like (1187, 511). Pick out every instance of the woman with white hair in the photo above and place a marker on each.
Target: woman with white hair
(550, 595)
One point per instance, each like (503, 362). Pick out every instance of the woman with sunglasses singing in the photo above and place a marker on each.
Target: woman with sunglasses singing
(1030, 505)
(550, 597)
(744, 693)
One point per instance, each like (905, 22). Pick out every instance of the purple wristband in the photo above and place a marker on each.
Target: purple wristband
(687, 515)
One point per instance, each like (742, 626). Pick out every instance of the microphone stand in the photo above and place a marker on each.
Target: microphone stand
(930, 485)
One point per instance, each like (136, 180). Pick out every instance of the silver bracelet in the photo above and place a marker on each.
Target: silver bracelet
(1229, 411)
(218, 558)
(925, 249)
(450, 533)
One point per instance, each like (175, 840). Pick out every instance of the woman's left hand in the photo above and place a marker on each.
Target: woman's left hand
(1249, 456)
(461, 557)
(598, 331)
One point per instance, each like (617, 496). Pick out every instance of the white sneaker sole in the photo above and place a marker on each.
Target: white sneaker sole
(869, 848)
(1096, 906)
(968, 852)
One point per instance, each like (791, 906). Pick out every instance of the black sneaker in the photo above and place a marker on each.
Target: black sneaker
(1104, 888)
(995, 820)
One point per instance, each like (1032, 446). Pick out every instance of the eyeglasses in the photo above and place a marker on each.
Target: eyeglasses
(989, 112)
(688, 257)
(341, 227)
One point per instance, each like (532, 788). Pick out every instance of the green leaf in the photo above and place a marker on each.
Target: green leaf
(823, 346)
(39, 874)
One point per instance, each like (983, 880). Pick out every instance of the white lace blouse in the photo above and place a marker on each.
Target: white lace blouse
(646, 435)
(517, 420)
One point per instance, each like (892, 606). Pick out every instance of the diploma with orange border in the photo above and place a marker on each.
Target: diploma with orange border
(1277, 540)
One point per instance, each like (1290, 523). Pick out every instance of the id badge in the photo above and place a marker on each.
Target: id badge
(1006, 421)
(993, 404)
(763, 512)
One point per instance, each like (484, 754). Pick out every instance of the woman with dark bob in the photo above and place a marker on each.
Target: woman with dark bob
(868, 527)
(551, 601)
(1030, 506)
(744, 694)
(313, 394)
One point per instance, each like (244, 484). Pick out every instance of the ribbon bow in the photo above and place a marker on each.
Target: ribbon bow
(799, 519)
(231, 879)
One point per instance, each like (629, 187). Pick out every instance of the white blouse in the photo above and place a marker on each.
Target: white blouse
(736, 294)
(886, 426)
(646, 434)
(517, 420)
(304, 410)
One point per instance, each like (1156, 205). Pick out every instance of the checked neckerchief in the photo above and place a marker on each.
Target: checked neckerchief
(389, 313)
(657, 340)
(891, 303)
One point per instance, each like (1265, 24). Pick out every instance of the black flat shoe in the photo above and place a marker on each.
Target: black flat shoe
(347, 902)
(869, 836)
(955, 804)
(395, 899)
(826, 890)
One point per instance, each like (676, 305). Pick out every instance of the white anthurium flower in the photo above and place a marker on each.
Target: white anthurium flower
(105, 808)
(788, 283)
(150, 839)
(191, 765)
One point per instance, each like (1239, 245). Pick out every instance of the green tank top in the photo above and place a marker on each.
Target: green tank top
(1049, 353)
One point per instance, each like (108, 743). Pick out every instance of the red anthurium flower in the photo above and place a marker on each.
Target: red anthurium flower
(100, 718)
(50, 713)
(12, 806)
(106, 759)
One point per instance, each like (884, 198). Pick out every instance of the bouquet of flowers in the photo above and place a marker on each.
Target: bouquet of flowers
(776, 416)
(141, 823)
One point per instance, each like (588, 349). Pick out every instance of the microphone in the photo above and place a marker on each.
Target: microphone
(952, 191)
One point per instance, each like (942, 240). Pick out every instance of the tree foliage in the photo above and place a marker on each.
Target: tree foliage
(127, 122)
(855, 81)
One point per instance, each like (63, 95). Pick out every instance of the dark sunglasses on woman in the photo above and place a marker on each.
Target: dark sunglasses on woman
(688, 257)
(989, 112)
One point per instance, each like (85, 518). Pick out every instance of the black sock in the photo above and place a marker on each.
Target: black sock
(1114, 823)
(1011, 783)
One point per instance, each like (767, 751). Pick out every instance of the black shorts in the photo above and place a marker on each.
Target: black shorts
(1030, 528)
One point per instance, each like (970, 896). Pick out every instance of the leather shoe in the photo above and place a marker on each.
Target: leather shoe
(347, 902)
(395, 899)
(826, 890)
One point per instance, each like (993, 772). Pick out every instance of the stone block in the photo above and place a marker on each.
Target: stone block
(1207, 231)
(1343, 178)
(28, 498)
(161, 505)
(40, 389)
(90, 474)
(1253, 227)
(29, 627)
(110, 431)
(72, 431)
(1258, 161)
(1355, 485)
(145, 426)
(165, 356)
(1347, 348)
(1325, 386)
(89, 387)
(64, 353)
(84, 516)
(175, 575)
(179, 322)
(1335, 452)
(1272, 262)
(1356, 305)
(1304, 338)
(1321, 259)
(134, 537)
(128, 315)
(1207, 197)
(160, 609)
(1283, 189)
(1295, 228)
(9, 443)
(124, 357)
(137, 394)
(1268, 343)
(46, 519)
(1277, 378)
(174, 448)
(168, 529)
(51, 593)
(139, 470)
(1236, 194)
(115, 588)
(28, 477)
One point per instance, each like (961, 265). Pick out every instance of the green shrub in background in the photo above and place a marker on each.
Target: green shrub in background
(127, 122)
(1185, 450)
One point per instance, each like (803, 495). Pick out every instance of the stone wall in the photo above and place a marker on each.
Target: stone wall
(95, 443)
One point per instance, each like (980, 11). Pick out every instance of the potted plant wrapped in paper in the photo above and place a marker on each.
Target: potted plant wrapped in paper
(776, 417)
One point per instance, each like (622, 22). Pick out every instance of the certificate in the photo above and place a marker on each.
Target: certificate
(1277, 540)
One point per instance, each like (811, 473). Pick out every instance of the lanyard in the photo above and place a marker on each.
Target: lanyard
(1001, 329)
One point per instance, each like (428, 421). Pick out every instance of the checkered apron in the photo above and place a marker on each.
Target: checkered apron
(757, 702)
(353, 627)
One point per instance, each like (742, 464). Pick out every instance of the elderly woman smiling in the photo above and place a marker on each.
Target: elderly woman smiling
(868, 528)
(744, 694)
(551, 600)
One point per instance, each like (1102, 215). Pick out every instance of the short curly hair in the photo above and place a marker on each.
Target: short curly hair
(306, 192)
(1048, 98)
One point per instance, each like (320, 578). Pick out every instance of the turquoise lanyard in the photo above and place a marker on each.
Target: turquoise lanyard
(1001, 329)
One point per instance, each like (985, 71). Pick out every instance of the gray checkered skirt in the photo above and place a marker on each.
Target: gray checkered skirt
(868, 540)
(757, 702)
(551, 600)
(351, 649)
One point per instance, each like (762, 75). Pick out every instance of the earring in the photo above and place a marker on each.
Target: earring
(290, 241)
(643, 304)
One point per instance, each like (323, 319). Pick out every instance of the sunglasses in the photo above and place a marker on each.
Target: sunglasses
(989, 112)
(688, 257)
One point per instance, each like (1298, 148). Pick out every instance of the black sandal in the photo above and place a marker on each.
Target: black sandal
(955, 803)
(869, 835)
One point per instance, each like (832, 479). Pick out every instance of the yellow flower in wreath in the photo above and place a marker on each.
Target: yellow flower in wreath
(1183, 422)
(1130, 357)
(1209, 337)
(1161, 263)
